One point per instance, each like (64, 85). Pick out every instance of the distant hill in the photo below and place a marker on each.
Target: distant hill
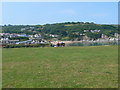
(64, 30)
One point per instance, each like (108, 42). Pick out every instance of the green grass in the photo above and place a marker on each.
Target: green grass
(63, 67)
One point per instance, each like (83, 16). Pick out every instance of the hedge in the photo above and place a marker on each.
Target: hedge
(23, 45)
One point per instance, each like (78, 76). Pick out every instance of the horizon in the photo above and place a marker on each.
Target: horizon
(41, 13)
(53, 23)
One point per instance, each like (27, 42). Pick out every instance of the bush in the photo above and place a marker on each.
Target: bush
(23, 45)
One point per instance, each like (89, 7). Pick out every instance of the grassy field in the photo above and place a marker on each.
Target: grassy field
(63, 67)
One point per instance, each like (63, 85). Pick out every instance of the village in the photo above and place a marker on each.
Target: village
(6, 38)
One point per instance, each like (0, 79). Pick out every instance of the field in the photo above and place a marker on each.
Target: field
(61, 67)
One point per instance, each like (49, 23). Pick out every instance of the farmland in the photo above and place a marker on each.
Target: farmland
(60, 67)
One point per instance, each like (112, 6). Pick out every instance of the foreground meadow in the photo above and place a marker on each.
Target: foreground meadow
(61, 67)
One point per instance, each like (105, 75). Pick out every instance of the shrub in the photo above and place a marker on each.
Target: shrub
(23, 45)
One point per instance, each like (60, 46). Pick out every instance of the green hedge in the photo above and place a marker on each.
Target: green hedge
(25, 46)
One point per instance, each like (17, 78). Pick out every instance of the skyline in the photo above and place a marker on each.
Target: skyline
(39, 13)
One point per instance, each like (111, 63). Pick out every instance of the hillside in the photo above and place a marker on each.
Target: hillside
(67, 30)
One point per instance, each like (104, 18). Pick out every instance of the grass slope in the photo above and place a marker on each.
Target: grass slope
(66, 67)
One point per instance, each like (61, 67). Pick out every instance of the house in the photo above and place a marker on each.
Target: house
(104, 36)
(117, 35)
(93, 31)
(53, 35)
(7, 41)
